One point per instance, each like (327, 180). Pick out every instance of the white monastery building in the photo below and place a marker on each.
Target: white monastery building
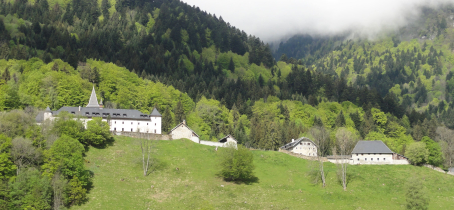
(120, 120)
(375, 152)
(303, 146)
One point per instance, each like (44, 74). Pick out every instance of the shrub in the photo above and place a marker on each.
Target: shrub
(417, 153)
(236, 163)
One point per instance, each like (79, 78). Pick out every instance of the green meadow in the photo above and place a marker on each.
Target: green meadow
(283, 181)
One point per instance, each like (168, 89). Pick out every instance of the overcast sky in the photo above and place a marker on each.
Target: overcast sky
(273, 20)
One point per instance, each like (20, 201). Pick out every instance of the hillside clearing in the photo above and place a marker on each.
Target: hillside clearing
(283, 182)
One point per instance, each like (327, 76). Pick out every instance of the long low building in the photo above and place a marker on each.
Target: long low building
(376, 152)
(125, 120)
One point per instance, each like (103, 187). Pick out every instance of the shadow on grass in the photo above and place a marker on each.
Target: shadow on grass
(157, 165)
(248, 181)
(351, 177)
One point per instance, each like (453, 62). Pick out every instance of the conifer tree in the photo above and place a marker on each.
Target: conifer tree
(179, 113)
(167, 120)
(231, 65)
(340, 120)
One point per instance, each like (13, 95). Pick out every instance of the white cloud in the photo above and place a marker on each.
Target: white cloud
(272, 20)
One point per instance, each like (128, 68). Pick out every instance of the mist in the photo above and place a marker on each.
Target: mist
(275, 20)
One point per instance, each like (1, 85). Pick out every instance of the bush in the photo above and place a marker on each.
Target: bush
(416, 195)
(97, 133)
(236, 163)
(417, 153)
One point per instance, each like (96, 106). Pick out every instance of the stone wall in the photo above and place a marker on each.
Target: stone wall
(212, 143)
(150, 136)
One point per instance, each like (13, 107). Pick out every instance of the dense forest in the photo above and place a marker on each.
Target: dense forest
(193, 65)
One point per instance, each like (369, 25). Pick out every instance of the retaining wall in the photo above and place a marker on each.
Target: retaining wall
(150, 136)
(324, 159)
(211, 143)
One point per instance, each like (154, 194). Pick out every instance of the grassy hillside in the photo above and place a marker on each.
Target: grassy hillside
(283, 182)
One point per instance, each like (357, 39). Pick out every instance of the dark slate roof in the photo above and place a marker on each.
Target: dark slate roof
(371, 147)
(225, 138)
(155, 113)
(104, 113)
(40, 117)
(183, 123)
(296, 142)
(47, 109)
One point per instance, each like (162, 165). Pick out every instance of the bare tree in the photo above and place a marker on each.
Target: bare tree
(321, 139)
(23, 153)
(345, 141)
(146, 149)
(58, 185)
(446, 138)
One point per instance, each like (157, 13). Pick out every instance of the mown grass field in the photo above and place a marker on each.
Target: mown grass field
(283, 182)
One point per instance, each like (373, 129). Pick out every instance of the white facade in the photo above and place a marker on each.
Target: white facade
(307, 148)
(303, 146)
(372, 158)
(141, 126)
(183, 131)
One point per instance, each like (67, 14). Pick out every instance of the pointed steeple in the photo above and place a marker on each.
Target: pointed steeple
(93, 100)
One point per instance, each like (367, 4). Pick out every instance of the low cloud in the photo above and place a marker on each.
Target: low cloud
(274, 20)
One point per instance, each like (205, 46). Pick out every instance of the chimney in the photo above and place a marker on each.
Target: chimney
(293, 140)
(184, 122)
(79, 108)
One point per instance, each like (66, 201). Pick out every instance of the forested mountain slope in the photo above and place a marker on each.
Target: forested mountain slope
(413, 64)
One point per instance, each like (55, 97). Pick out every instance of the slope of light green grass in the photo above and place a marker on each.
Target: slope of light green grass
(283, 182)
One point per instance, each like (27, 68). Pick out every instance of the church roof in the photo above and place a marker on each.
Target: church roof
(155, 113)
(40, 117)
(115, 114)
(371, 147)
(48, 109)
(93, 100)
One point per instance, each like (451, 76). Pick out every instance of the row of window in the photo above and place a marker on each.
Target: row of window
(372, 159)
(132, 123)
(115, 129)
(368, 154)
(305, 143)
(107, 114)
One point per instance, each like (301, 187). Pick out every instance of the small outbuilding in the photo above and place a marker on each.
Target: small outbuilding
(303, 146)
(183, 131)
(228, 139)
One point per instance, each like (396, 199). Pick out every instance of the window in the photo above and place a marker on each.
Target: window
(384, 158)
(155, 124)
(115, 122)
(87, 113)
(124, 115)
(147, 123)
(122, 122)
(131, 129)
(356, 154)
(123, 129)
(115, 129)
(371, 159)
(154, 130)
(358, 159)
(131, 123)
(138, 123)
(73, 112)
(365, 158)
